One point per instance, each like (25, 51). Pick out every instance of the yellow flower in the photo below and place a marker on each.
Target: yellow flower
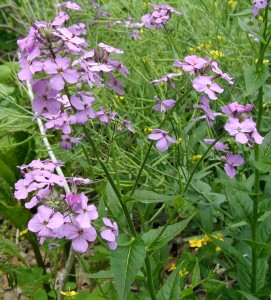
(196, 157)
(215, 54)
(195, 243)
(265, 61)
(220, 37)
(206, 239)
(148, 130)
(69, 293)
(172, 267)
(217, 249)
(232, 3)
(183, 272)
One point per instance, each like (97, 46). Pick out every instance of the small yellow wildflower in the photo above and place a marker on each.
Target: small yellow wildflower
(265, 61)
(172, 267)
(215, 54)
(192, 49)
(201, 46)
(183, 272)
(179, 140)
(69, 293)
(220, 37)
(141, 31)
(23, 232)
(148, 130)
(195, 243)
(147, 3)
(119, 98)
(217, 249)
(196, 157)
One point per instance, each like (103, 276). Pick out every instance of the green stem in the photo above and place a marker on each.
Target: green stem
(200, 160)
(256, 200)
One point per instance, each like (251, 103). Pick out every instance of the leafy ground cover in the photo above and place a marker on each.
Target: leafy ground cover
(135, 149)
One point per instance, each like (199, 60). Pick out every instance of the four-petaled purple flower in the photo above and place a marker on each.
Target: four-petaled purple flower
(205, 84)
(60, 71)
(162, 138)
(232, 161)
(164, 105)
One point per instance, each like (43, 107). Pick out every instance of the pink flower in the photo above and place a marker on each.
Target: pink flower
(164, 105)
(191, 64)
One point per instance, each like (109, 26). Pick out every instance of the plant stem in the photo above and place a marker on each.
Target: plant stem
(149, 278)
(256, 200)
(199, 161)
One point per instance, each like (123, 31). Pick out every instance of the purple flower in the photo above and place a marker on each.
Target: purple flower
(257, 5)
(205, 106)
(105, 116)
(110, 49)
(125, 124)
(239, 129)
(83, 104)
(162, 138)
(46, 100)
(71, 41)
(191, 64)
(45, 221)
(60, 19)
(29, 65)
(217, 70)
(79, 236)
(24, 187)
(236, 109)
(60, 71)
(164, 105)
(70, 5)
(167, 78)
(135, 35)
(206, 85)
(86, 213)
(68, 141)
(218, 145)
(232, 161)
(109, 233)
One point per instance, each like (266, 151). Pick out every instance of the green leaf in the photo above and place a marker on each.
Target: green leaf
(196, 274)
(250, 29)
(171, 288)
(5, 72)
(149, 197)
(262, 166)
(248, 296)
(254, 78)
(125, 264)
(206, 216)
(150, 237)
(99, 275)
(40, 294)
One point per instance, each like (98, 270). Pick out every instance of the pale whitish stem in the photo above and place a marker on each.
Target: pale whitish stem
(66, 187)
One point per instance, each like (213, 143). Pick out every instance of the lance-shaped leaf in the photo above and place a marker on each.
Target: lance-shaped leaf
(125, 264)
(153, 240)
(254, 78)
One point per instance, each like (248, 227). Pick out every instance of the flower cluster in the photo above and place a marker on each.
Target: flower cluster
(158, 18)
(200, 242)
(57, 62)
(240, 125)
(59, 215)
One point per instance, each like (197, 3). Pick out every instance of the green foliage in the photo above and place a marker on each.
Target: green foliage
(125, 264)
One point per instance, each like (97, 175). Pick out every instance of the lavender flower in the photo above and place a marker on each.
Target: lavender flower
(79, 236)
(162, 138)
(232, 161)
(167, 78)
(109, 233)
(164, 105)
(218, 145)
(205, 84)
